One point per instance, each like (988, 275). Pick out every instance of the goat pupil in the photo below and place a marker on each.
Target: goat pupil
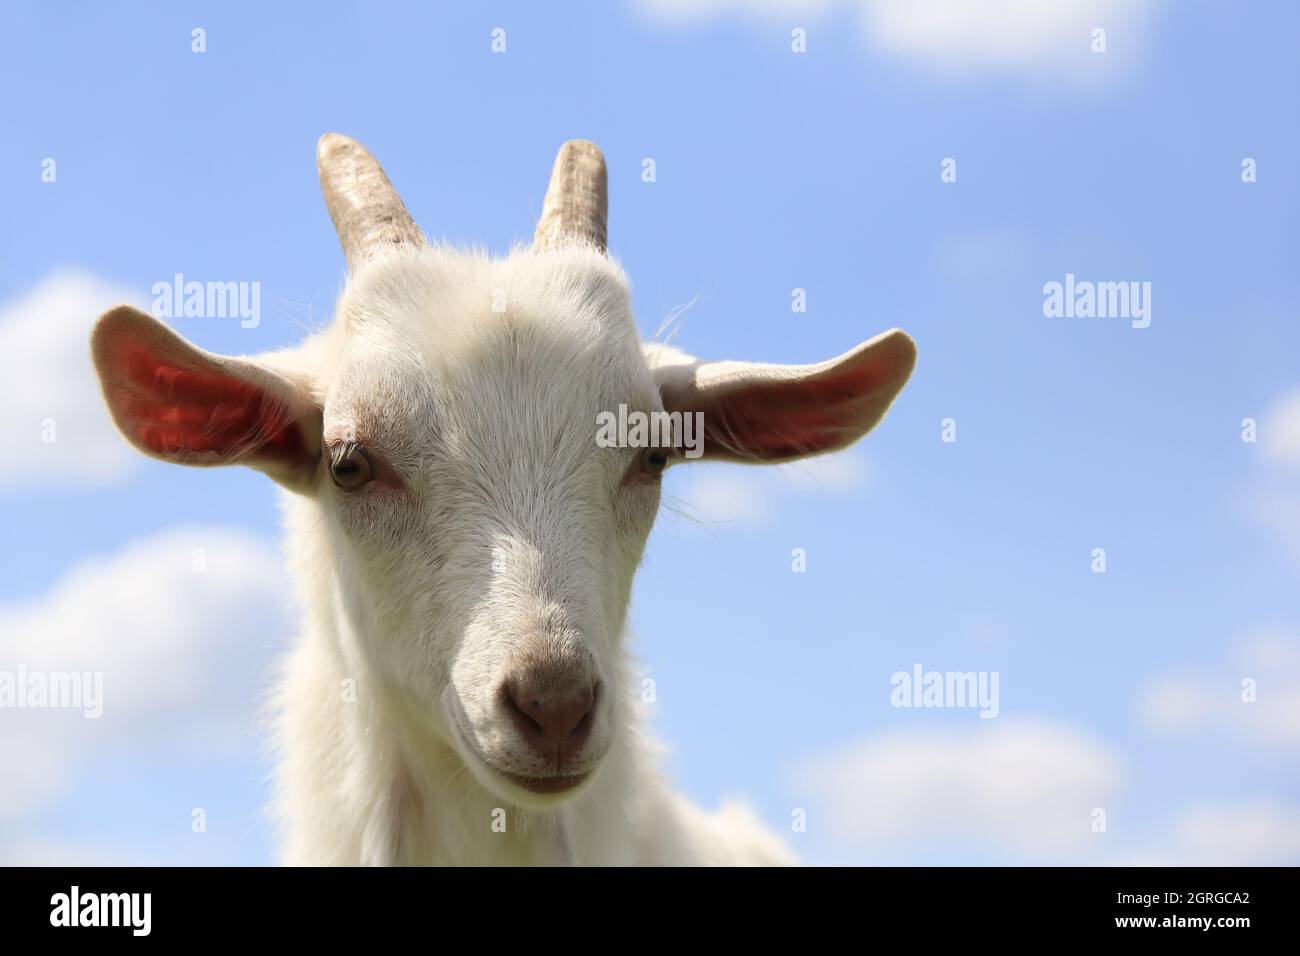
(348, 466)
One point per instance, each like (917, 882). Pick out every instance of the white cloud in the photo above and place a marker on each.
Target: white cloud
(1257, 832)
(685, 10)
(1025, 790)
(42, 852)
(47, 381)
(1279, 433)
(1018, 36)
(35, 771)
(1185, 703)
(842, 471)
(1274, 499)
(1022, 35)
(726, 495)
(179, 624)
(721, 493)
(1029, 785)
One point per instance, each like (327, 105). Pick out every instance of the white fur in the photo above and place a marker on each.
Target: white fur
(514, 533)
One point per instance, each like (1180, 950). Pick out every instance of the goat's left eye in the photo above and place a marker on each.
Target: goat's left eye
(655, 461)
(350, 466)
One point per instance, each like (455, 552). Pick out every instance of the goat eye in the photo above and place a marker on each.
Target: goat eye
(350, 467)
(656, 460)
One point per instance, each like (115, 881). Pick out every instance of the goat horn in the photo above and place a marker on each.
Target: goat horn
(367, 213)
(576, 208)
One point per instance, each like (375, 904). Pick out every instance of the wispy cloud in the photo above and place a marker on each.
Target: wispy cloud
(749, 495)
(843, 471)
(1280, 438)
(1274, 499)
(1025, 790)
(725, 497)
(1262, 831)
(1265, 714)
(1030, 785)
(957, 36)
(178, 624)
(51, 412)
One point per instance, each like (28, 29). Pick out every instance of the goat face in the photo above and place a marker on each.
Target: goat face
(489, 542)
(477, 541)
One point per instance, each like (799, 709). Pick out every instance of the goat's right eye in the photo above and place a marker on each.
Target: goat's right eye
(350, 466)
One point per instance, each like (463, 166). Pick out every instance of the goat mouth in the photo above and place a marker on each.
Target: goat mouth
(551, 785)
(558, 784)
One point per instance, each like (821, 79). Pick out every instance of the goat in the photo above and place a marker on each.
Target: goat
(461, 691)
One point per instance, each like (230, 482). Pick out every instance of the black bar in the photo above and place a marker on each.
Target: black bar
(507, 907)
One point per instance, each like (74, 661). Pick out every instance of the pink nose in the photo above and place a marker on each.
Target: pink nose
(554, 717)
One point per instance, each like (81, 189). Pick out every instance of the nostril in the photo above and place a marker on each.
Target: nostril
(582, 728)
(551, 720)
(523, 713)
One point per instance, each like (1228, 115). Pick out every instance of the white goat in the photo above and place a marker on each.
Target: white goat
(461, 692)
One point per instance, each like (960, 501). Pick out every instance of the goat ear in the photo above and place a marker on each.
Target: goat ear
(174, 401)
(773, 413)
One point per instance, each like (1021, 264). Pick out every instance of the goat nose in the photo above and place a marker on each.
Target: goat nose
(554, 721)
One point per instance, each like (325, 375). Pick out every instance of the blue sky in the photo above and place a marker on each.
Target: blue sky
(775, 170)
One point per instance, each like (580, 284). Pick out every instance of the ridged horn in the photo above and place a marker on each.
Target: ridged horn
(368, 215)
(576, 209)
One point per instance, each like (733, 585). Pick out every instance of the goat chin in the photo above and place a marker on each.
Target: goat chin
(352, 790)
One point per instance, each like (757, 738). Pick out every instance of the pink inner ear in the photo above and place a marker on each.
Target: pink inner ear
(178, 412)
(786, 419)
(765, 430)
